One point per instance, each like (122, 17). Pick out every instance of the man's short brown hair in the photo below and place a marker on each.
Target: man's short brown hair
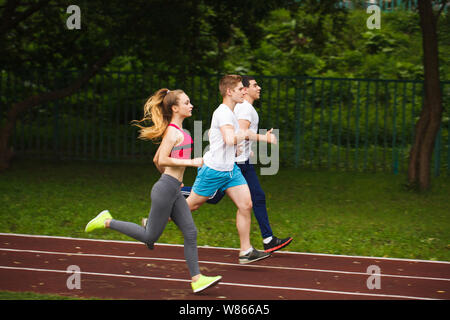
(228, 81)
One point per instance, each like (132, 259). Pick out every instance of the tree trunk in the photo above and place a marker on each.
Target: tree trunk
(6, 152)
(419, 170)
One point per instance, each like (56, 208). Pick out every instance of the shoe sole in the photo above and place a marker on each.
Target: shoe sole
(254, 260)
(209, 285)
(281, 246)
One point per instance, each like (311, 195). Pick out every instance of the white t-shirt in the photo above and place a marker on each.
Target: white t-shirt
(245, 111)
(221, 157)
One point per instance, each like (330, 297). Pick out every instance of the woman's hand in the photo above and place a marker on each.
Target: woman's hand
(197, 162)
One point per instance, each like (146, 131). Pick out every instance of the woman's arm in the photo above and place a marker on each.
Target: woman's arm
(156, 161)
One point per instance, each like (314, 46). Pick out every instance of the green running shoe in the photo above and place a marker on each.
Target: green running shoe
(204, 282)
(98, 222)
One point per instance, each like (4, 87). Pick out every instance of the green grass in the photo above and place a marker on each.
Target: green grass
(326, 212)
(9, 295)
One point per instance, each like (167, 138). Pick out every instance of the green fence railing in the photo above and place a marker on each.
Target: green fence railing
(332, 123)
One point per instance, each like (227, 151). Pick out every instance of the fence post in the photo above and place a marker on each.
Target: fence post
(55, 125)
(394, 133)
(297, 126)
(330, 123)
(356, 164)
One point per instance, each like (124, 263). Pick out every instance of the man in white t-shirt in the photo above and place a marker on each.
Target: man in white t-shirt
(220, 172)
(248, 119)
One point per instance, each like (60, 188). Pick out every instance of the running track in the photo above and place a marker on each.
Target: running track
(128, 270)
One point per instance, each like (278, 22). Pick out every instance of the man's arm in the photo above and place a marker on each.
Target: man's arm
(269, 137)
(229, 137)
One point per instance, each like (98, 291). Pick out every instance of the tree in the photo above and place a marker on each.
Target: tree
(161, 35)
(427, 127)
(301, 40)
(34, 35)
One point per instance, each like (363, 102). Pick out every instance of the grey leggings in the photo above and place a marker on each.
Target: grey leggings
(167, 201)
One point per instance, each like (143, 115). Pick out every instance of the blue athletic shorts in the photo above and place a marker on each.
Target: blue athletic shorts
(208, 180)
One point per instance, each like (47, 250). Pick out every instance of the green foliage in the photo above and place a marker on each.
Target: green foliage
(175, 36)
(313, 38)
(321, 41)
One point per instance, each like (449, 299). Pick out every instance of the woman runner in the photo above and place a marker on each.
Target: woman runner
(166, 109)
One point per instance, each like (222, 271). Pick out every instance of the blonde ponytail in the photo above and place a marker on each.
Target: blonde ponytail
(157, 109)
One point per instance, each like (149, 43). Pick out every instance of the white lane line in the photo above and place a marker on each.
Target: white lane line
(226, 283)
(218, 263)
(224, 248)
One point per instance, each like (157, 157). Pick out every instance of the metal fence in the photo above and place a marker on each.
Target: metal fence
(332, 123)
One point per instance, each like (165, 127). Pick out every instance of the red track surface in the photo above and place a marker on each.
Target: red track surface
(128, 270)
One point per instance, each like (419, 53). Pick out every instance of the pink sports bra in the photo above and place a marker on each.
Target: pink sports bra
(183, 150)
